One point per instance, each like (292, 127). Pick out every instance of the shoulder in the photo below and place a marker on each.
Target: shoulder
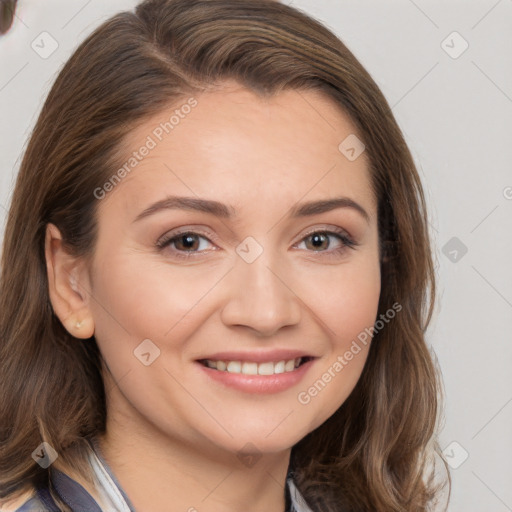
(13, 504)
(38, 500)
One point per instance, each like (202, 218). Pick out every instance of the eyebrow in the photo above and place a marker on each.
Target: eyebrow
(227, 212)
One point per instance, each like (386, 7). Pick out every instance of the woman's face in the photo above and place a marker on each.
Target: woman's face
(261, 279)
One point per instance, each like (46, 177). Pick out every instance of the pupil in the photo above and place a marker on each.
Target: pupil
(318, 238)
(188, 241)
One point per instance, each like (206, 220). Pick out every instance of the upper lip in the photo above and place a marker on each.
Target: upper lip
(262, 356)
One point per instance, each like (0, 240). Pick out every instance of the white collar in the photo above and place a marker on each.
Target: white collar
(298, 502)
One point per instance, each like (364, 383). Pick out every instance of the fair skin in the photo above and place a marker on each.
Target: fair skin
(173, 432)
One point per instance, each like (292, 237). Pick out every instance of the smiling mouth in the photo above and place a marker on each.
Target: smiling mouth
(254, 368)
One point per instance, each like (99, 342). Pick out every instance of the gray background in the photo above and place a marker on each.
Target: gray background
(455, 109)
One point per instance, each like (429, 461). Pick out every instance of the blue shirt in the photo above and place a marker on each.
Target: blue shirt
(79, 500)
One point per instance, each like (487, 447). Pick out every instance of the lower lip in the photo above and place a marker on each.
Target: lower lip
(263, 384)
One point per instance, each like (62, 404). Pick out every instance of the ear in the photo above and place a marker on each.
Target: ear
(68, 284)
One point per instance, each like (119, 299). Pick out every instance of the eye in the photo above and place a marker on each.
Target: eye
(320, 241)
(185, 243)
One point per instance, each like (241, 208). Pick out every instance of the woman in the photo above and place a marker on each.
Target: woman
(174, 335)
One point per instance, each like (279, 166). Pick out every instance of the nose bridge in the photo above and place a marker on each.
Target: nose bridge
(260, 294)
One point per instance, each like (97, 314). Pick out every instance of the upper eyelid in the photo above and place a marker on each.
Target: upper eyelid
(328, 229)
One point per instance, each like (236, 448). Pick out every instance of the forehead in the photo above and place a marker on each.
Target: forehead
(234, 145)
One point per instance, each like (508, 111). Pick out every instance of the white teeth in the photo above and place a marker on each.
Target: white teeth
(279, 367)
(290, 365)
(250, 368)
(253, 368)
(234, 367)
(266, 368)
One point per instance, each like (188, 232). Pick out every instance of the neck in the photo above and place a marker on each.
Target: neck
(156, 471)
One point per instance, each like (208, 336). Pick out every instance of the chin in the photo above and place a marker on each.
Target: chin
(265, 439)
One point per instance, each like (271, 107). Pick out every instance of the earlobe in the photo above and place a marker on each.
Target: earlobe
(68, 298)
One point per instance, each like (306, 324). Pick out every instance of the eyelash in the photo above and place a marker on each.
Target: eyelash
(348, 242)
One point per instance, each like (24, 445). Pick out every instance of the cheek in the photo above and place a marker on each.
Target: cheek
(138, 299)
(346, 299)
(145, 293)
(157, 302)
(347, 311)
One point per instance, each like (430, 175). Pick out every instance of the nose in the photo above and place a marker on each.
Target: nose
(261, 297)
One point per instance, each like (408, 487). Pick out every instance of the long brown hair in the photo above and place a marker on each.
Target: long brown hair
(7, 13)
(375, 452)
